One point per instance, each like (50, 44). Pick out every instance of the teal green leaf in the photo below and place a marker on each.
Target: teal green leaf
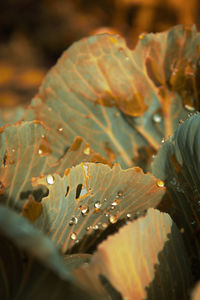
(146, 259)
(30, 265)
(90, 198)
(122, 101)
(178, 164)
(10, 115)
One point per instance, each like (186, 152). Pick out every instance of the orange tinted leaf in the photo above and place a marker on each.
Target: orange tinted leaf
(145, 260)
(196, 292)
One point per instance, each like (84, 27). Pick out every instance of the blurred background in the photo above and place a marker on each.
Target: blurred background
(33, 34)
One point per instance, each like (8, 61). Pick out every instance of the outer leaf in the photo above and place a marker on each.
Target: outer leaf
(23, 277)
(90, 197)
(196, 292)
(178, 164)
(145, 260)
(122, 102)
(25, 153)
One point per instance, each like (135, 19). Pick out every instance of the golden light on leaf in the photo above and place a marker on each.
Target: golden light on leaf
(137, 263)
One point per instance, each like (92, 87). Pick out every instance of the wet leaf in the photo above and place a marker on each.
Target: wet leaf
(90, 199)
(145, 260)
(31, 266)
(122, 102)
(178, 164)
(25, 153)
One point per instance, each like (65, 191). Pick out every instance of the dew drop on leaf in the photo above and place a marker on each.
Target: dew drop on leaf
(119, 194)
(97, 204)
(104, 225)
(73, 236)
(115, 202)
(73, 221)
(60, 129)
(113, 219)
(128, 215)
(84, 210)
(50, 179)
(157, 118)
(96, 227)
(189, 108)
(160, 183)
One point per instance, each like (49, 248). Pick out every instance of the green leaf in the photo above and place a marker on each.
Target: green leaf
(92, 197)
(122, 101)
(10, 115)
(145, 260)
(30, 265)
(178, 164)
(25, 153)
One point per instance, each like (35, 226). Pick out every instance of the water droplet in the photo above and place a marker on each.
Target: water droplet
(13, 150)
(88, 228)
(182, 230)
(117, 114)
(104, 225)
(50, 179)
(127, 58)
(84, 210)
(60, 129)
(189, 107)
(112, 207)
(157, 118)
(193, 222)
(44, 148)
(160, 183)
(163, 140)
(73, 221)
(115, 202)
(128, 215)
(120, 193)
(87, 150)
(97, 204)
(113, 219)
(40, 152)
(96, 227)
(73, 236)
